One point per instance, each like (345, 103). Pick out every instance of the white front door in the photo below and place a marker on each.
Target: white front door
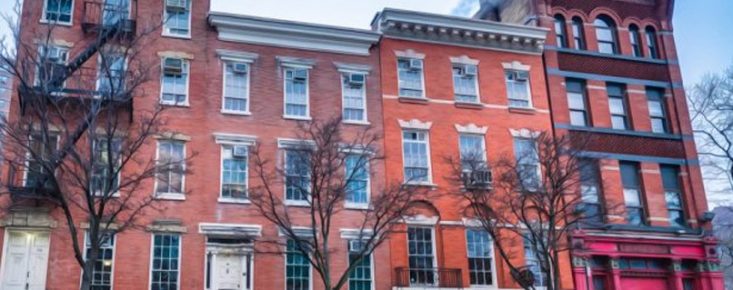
(230, 272)
(25, 260)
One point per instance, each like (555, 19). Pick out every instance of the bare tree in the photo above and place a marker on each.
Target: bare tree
(532, 202)
(322, 171)
(711, 105)
(75, 145)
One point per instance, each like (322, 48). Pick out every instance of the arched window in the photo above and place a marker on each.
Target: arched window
(635, 39)
(606, 35)
(578, 37)
(561, 36)
(651, 42)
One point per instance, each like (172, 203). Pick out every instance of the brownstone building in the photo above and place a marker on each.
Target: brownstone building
(614, 79)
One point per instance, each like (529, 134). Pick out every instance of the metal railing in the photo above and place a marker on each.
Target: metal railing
(102, 15)
(428, 277)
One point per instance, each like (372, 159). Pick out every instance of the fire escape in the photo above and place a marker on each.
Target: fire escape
(105, 22)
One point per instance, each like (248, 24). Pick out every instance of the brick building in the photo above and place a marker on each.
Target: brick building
(614, 79)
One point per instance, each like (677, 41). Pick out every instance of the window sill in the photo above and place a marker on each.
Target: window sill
(469, 105)
(413, 100)
(234, 200)
(180, 105)
(357, 206)
(298, 118)
(523, 110)
(422, 184)
(66, 24)
(297, 203)
(169, 35)
(170, 196)
(237, 113)
(362, 123)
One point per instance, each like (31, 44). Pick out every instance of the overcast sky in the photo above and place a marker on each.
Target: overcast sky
(704, 40)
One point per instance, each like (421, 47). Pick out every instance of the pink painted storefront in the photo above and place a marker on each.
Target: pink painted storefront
(644, 261)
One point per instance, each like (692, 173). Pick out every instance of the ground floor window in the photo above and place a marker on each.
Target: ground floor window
(165, 262)
(102, 271)
(480, 257)
(360, 277)
(297, 269)
(420, 255)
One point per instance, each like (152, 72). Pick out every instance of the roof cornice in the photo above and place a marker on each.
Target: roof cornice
(291, 34)
(459, 31)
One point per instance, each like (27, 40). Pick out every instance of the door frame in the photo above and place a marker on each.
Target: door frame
(215, 250)
(6, 234)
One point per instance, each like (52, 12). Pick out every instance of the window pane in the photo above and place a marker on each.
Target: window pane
(410, 77)
(235, 89)
(420, 256)
(297, 268)
(357, 174)
(480, 257)
(297, 180)
(234, 174)
(165, 267)
(578, 118)
(415, 153)
(655, 109)
(354, 100)
(616, 106)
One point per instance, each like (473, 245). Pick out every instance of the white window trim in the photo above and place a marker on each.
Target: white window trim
(367, 204)
(458, 62)
(286, 201)
(114, 255)
(415, 124)
(471, 128)
(483, 144)
(99, 72)
(371, 264)
(429, 182)
(494, 282)
(170, 195)
(435, 252)
(224, 88)
(422, 75)
(164, 30)
(187, 103)
(221, 198)
(55, 22)
(152, 256)
(530, 106)
(285, 67)
(344, 73)
(285, 267)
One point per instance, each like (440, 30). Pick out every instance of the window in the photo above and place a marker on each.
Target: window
(417, 156)
(354, 94)
(174, 86)
(236, 87)
(577, 102)
(617, 106)
(111, 74)
(357, 183)
(114, 11)
(420, 256)
(651, 42)
(632, 193)
(578, 37)
(532, 260)
(360, 277)
(473, 154)
(58, 11)
(106, 163)
(465, 83)
(297, 178)
(51, 60)
(170, 167)
(642, 264)
(635, 39)
(528, 167)
(657, 110)
(673, 195)
(102, 271)
(560, 33)
(480, 257)
(234, 172)
(296, 92)
(517, 85)
(165, 264)
(36, 172)
(688, 284)
(606, 35)
(410, 77)
(177, 20)
(590, 191)
(297, 268)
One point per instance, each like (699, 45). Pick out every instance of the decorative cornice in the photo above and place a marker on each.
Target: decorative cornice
(282, 33)
(472, 129)
(515, 65)
(218, 229)
(296, 61)
(409, 54)
(415, 124)
(226, 138)
(175, 54)
(524, 133)
(234, 55)
(464, 59)
(453, 30)
(295, 143)
(352, 67)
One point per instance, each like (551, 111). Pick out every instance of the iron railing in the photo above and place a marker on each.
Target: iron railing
(428, 277)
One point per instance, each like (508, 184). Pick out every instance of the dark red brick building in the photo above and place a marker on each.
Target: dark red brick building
(614, 79)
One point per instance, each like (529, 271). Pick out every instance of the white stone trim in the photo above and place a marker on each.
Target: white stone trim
(420, 220)
(175, 54)
(352, 67)
(515, 65)
(301, 232)
(471, 128)
(524, 133)
(472, 223)
(415, 124)
(223, 229)
(409, 54)
(234, 139)
(353, 234)
(235, 55)
(295, 62)
(464, 59)
(288, 143)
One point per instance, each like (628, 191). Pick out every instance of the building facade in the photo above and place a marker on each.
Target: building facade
(438, 87)
(614, 82)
